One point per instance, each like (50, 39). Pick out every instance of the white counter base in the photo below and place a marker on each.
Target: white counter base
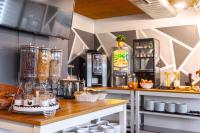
(60, 125)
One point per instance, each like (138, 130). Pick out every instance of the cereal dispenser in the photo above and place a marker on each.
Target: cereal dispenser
(43, 65)
(55, 66)
(28, 63)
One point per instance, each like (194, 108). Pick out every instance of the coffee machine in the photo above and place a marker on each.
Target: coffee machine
(120, 66)
(96, 68)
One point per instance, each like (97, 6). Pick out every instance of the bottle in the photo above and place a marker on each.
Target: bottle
(130, 80)
(177, 79)
(135, 81)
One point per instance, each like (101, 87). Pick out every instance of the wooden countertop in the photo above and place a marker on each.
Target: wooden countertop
(152, 90)
(111, 88)
(170, 91)
(69, 109)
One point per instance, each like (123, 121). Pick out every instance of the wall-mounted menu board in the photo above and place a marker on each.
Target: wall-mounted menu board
(45, 17)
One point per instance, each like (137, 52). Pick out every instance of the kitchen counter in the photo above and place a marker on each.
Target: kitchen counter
(150, 90)
(111, 88)
(71, 111)
(170, 91)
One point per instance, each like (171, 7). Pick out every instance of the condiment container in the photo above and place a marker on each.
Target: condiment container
(170, 107)
(181, 108)
(44, 100)
(28, 62)
(18, 100)
(29, 100)
(43, 64)
(160, 106)
(149, 105)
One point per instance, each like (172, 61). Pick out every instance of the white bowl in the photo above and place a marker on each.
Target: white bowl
(146, 85)
(102, 96)
(170, 107)
(182, 108)
(160, 106)
(149, 105)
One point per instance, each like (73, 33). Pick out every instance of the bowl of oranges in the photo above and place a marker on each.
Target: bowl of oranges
(146, 84)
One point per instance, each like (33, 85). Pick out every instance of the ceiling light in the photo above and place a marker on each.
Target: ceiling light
(183, 4)
(180, 5)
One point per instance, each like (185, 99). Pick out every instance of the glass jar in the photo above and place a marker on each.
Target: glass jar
(135, 81)
(132, 81)
(55, 65)
(28, 62)
(43, 64)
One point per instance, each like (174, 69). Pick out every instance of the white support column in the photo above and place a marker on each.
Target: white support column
(132, 111)
(137, 111)
(123, 119)
(36, 129)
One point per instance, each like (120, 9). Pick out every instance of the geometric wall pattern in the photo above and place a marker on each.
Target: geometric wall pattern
(179, 46)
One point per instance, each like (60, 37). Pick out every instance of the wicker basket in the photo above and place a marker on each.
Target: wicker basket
(5, 102)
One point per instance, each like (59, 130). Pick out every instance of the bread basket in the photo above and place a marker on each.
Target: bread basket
(6, 92)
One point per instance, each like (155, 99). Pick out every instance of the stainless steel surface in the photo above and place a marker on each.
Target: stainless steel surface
(48, 17)
(104, 71)
(96, 69)
(89, 70)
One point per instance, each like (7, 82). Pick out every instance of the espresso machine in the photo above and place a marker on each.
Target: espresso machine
(120, 66)
(96, 69)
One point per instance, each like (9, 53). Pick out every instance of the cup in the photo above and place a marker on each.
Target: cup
(83, 130)
(160, 106)
(182, 108)
(49, 113)
(149, 105)
(170, 107)
(116, 127)
(94, 127)
(95, 131)
(107, 129)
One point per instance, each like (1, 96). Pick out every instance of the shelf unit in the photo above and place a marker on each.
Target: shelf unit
(124, 94)
(146, 59)
(137, 100)
(184, 116)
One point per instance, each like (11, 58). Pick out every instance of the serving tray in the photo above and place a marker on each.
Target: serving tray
(34, 109)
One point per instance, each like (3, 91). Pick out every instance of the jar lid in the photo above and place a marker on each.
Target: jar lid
(44, 48)
(56, 50)
(29, 46)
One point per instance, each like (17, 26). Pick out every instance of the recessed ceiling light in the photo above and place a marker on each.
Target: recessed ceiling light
(183, 4)
(180, 5)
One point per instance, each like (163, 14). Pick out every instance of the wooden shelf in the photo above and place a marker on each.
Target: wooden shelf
(183, 116)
